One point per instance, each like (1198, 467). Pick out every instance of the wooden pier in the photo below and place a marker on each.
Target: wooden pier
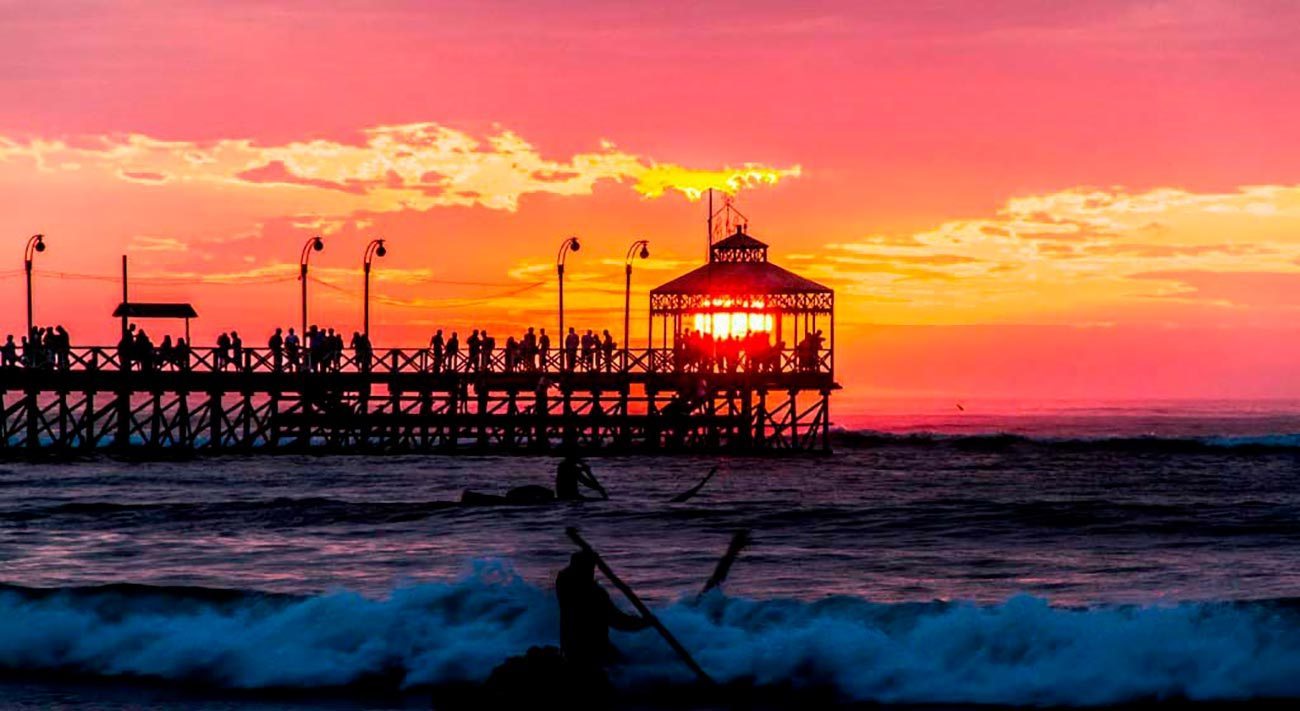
(402, 401)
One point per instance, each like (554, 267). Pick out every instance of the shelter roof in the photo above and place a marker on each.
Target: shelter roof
(140, 309)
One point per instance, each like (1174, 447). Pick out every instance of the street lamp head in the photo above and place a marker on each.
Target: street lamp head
(317, 243)
(381, 251)
(570, 244)
(40, 243)
(639, 248)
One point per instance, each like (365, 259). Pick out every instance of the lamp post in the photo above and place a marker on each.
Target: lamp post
(315, 244)
(569, 244)
(35, 243)
(632, 253)
(374, 249)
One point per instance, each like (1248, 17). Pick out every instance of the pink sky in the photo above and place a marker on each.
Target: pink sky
(1013, 199)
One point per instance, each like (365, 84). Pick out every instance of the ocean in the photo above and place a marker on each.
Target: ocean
(952, 554)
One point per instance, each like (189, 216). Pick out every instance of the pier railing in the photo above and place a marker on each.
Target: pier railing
(424, 360)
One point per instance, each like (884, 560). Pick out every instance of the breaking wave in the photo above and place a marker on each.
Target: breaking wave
(1023, 651)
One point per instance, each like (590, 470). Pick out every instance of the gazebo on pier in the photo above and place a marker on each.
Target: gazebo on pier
(739, 294)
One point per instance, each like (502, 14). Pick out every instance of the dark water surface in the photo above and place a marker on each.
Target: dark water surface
(1051, 567)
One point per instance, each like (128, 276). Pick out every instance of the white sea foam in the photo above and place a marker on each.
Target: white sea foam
(1023, 651)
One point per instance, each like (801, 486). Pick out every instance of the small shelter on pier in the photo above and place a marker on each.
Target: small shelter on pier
(139, 309)
(739, 293)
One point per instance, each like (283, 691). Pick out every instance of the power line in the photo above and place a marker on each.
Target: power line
(438, 303)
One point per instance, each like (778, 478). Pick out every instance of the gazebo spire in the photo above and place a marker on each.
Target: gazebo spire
(739, 247)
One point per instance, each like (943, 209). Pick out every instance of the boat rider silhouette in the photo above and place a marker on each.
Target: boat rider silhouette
(570, 477)
(572, 474)
(573, 676)
(586, 614)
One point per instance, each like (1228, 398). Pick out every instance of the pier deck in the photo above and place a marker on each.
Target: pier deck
(406, 400)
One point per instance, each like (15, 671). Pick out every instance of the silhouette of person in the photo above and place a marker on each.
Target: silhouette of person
(512, 354)
(166, 352)
(315, 348)
(436, 346)
(276, 344)
(528, 350)
(143, 350)
(572, 474)
(62, 347)
(607, 347)
(361, 350)
(10, 351)
(487, 345)
(125, 348)
(571, 349)
(543, 349)
(453, 350)
(236, 350)
(586, 614)
(473, 343)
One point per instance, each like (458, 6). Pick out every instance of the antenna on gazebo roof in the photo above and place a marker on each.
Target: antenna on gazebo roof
(732, 221)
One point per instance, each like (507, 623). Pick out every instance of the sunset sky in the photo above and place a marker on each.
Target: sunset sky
(1025, 200)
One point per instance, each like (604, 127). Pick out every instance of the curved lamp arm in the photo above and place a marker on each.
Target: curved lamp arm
(376, 248)
(35, 243)
(315, 244)
(568, 245)
(633, 252)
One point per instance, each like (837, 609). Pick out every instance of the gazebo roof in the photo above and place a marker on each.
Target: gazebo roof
(741, 279)
(738, 269)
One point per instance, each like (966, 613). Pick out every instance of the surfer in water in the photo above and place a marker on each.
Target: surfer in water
(572, 474)
(571, 477)
(586, 614)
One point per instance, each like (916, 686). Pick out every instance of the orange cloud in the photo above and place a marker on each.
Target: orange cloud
(1047, 258)
(412, 166)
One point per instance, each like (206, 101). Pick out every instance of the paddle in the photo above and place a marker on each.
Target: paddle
(739, 541)
(588, 477)
(641, 607)
(597, 486)
(686, 495)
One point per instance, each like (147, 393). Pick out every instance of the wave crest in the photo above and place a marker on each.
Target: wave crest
(1023, 651)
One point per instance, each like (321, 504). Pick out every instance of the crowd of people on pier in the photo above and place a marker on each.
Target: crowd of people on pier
(319, 350)
(530, 352)
(326, 350)
(44, 347)
(136, 350)
(754, 352)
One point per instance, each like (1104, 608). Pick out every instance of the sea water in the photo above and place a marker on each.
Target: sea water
(1077, 556)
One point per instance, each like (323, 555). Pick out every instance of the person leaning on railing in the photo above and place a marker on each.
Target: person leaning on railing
(293, 350)
(362, 351)
(181, 355)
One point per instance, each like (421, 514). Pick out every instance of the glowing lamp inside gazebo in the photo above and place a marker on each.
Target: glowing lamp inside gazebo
(740, 295)
(733, 318)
